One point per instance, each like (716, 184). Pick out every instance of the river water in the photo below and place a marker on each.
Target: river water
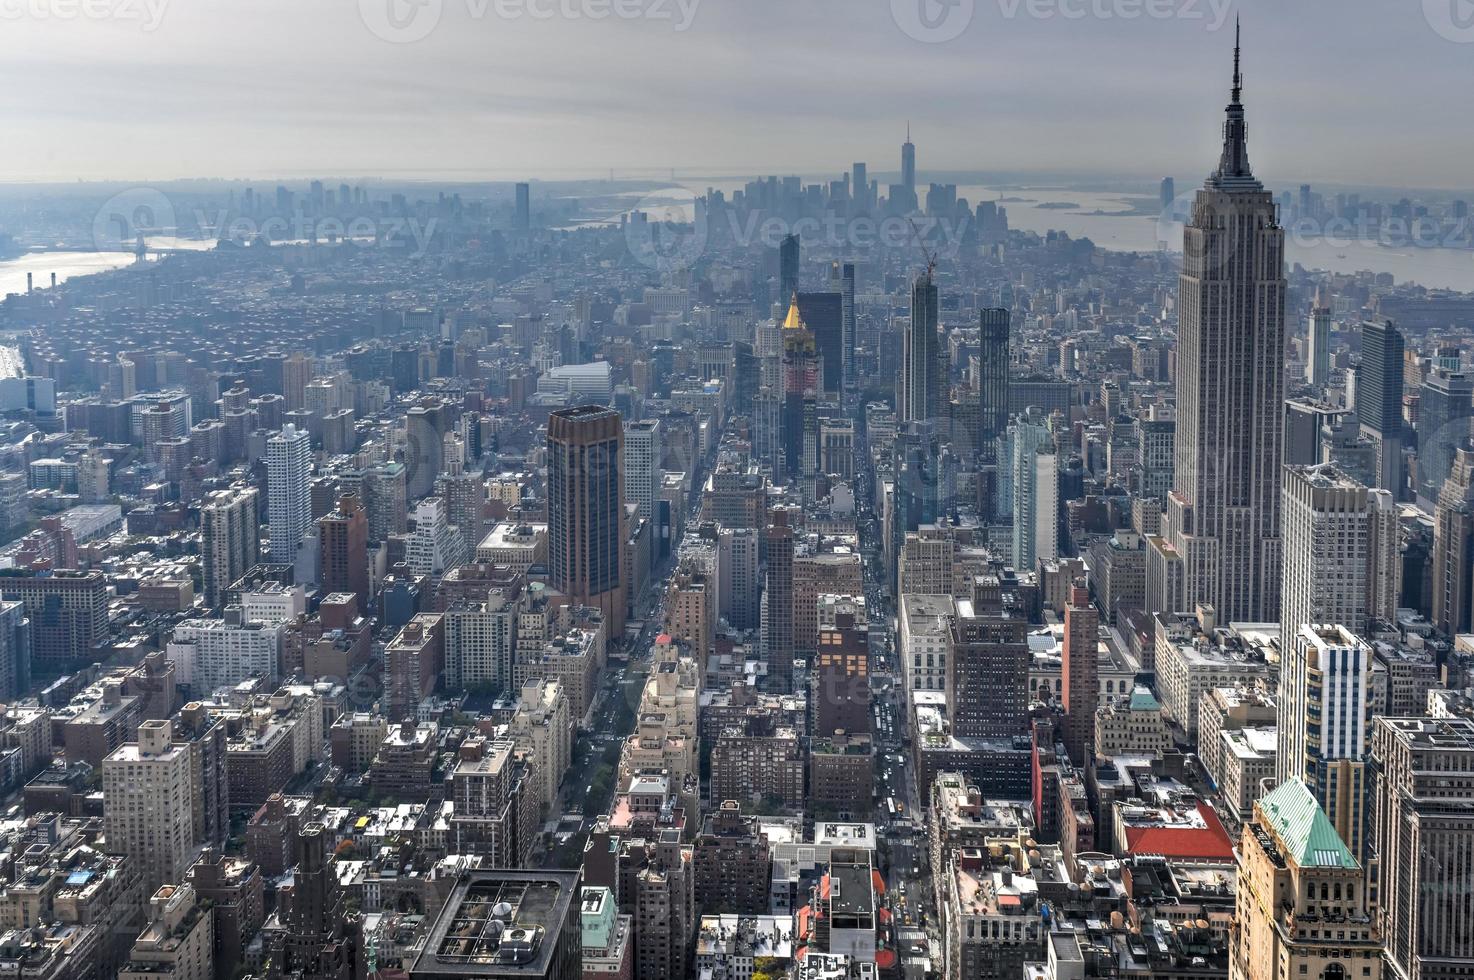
(1121, 222)
(68, 264)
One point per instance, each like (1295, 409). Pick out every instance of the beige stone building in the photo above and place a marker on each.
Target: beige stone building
(1301, 897)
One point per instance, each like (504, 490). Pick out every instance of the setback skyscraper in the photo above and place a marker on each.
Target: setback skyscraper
(1221, 530)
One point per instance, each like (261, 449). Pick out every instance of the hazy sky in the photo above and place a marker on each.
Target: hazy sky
(1354, 91)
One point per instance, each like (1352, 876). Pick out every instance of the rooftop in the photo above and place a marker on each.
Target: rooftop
(499, 923)
(1303, 828)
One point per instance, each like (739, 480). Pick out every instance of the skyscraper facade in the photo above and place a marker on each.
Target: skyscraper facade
(343, 540)
(425, 428)
(1423, 844)
(1324, 719)
(586, 509)
(823, 314)
(1453, 548)
(847, 294)
(1318, 348)
(1379, 386)
(993, 359)
(908, 162)
(921, 368)
(644, 447)
(1341, 552)
(1445, 404)
(988, 673)
(1379, 378)
(524, 207)
(229, 539)
(802, 376)
(777, 598)
(788, 260)
(1222, 521)
(288, 491)
(1081, 687)
(1295, 872)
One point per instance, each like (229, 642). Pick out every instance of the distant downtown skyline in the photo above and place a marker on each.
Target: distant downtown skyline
(1022, 87)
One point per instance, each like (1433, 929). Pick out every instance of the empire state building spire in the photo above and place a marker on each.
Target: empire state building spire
(1220, 543)
(1233, 166)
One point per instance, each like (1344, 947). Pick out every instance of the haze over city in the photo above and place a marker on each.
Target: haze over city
(1352, 91)
(726, 490)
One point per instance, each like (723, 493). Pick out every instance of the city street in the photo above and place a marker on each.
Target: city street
(899, 812)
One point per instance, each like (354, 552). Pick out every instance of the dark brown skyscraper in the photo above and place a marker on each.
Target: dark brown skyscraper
(343, 536)
(586, 509)
(841, 696)
(1081, 682)
(318, 941)
(990, 674)
(778, 596)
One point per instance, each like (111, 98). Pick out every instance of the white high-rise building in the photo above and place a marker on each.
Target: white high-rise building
(1325, 722)
(288, 488)
(643, 449)
(481, 641)
(1033, 490)
(1221, 529)
(209, 654)
(1341, 558)
(435, 546)
(739, 584)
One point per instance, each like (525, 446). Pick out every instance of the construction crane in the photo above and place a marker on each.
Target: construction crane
(931, 256)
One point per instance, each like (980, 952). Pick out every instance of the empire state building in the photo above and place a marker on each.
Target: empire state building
(1220, 541)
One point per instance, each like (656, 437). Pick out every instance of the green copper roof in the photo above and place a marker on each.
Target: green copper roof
(1142, 700)
(1304, 829)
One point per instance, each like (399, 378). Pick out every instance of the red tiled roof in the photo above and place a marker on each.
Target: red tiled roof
(1209, 842)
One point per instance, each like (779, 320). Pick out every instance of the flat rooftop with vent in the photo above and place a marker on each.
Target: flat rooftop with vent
(513, 924)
